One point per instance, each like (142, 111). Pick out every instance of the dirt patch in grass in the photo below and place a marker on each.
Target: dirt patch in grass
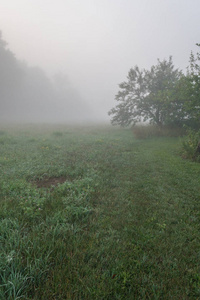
(49, 182)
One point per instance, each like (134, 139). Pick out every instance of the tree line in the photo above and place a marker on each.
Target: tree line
(163, 95)
(28, 94)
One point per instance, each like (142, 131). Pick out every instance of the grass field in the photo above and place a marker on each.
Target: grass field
(93, 213)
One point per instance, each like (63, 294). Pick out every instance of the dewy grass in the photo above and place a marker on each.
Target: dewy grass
(124, 224)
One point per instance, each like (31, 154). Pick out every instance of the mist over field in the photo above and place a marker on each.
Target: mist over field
(89, 210)
(64, 60)
(29, 95)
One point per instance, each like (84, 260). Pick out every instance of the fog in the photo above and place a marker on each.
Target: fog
(70, 56)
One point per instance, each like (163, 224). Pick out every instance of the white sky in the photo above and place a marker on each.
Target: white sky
(96, 42)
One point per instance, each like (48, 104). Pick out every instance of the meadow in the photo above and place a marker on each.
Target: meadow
(94, 213)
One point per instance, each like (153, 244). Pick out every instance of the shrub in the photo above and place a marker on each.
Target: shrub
(191, 145)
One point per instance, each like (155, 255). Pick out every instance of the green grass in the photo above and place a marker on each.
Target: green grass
(124, 225)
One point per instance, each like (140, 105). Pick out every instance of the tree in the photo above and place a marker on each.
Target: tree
(149, 95)
(28, 94)
(25, 93)
(10, 77)
(192, 91)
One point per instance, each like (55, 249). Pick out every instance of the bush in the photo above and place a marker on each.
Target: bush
(191, 145)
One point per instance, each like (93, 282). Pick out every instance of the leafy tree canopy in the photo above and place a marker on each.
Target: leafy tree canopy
(192, 90)
(149, 95)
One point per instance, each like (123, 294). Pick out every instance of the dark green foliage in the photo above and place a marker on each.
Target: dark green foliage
(148, 95)
(192, 88)
(191, 145)
(162, 96)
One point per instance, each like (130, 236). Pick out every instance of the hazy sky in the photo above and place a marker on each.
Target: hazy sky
(96, 42)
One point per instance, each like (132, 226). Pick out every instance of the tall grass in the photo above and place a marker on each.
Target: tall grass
(149, 131)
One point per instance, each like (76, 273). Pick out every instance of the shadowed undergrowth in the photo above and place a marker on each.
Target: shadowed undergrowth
(121, 221)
